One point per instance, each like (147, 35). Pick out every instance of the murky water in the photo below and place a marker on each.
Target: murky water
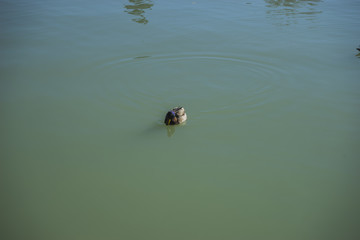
(270, 149)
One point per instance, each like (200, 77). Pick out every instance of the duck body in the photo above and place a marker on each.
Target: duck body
(176, 116)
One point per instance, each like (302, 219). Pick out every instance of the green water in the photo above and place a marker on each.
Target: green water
(270, 149)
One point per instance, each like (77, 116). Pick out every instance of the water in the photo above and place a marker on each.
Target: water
(270, 149)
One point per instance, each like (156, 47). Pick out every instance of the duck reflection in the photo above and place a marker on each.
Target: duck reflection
(170, 130)
(137, 8)
(290, 11)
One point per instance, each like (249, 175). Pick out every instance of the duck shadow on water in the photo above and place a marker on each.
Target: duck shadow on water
(160, 127)
(170, 130)
(137, 8)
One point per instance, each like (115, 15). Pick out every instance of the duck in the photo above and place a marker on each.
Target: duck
(175, 116)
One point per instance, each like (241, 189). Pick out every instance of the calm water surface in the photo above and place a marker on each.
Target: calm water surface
(270, 150)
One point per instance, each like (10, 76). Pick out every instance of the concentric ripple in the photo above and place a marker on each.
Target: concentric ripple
(222, 86)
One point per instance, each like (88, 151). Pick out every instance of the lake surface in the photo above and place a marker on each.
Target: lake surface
(270, 149)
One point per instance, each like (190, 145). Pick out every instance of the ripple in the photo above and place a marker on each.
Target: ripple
(222, 85)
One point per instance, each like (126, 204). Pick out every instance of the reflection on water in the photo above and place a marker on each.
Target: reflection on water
(289, 11)
(137, 8)
(170, 130)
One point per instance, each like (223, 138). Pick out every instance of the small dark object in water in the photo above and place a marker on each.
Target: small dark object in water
(358, 48)
(176, 116)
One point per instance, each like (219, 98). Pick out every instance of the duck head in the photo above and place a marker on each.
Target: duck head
(170, 118)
